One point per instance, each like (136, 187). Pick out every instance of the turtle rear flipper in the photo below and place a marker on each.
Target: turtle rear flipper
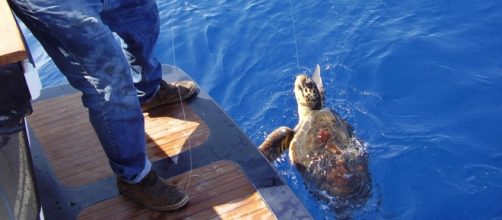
(276, 143)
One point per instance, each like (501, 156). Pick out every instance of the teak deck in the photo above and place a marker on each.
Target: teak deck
(219, 190)
(206, 154)
(73, 149)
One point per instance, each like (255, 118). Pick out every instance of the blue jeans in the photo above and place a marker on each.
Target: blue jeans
(114, 80)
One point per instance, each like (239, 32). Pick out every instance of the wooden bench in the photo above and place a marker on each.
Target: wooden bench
(12, 48)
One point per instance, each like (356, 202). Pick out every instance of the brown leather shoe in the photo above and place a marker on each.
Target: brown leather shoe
(168, 93)
(154, 192)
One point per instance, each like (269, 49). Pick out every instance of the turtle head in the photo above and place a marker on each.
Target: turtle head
(307, 95)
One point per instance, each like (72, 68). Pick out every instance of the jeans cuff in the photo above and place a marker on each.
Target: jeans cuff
(144, 172)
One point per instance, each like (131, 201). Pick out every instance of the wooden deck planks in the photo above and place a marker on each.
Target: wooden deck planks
(63, 129)
(217, 191)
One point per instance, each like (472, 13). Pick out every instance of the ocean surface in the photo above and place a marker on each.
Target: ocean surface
(419, 81)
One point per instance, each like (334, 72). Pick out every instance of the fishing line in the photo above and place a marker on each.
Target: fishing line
(172, 43)
(182, 107)
(294, 32)
(297, 63)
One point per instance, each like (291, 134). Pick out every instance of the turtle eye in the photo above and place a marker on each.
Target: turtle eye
(309, 84)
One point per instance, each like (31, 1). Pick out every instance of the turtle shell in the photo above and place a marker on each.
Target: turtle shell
(327, 155)
(316, 133)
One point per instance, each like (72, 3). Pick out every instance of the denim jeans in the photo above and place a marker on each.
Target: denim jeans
(114, 79)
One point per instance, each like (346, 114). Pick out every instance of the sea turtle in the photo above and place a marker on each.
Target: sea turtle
(322, 147)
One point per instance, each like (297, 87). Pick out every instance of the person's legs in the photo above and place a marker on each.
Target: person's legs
(86, 52)
(84, 49)
(137, 23)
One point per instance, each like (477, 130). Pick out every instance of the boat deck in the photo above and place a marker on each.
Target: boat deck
(74, 152)
(206, 154)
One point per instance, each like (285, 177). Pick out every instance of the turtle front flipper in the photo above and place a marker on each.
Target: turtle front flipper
(276, 143)
(316, 77)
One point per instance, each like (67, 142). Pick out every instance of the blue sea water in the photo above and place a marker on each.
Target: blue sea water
(419, 81)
